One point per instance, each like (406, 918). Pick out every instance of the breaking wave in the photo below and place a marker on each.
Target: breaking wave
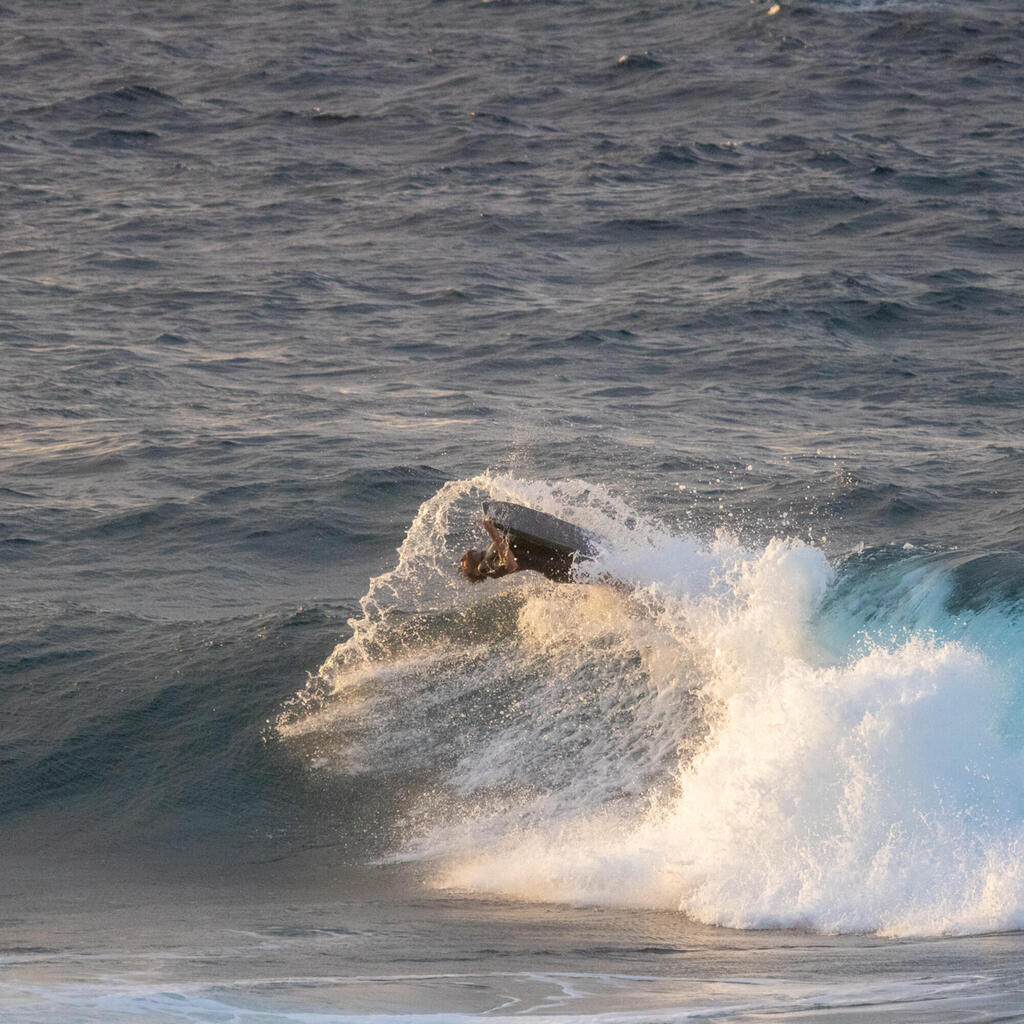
(750, 734)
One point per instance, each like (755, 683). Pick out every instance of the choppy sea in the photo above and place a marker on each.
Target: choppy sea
(288, 288)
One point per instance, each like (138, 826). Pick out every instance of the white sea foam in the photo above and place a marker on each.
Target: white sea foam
(695, 744)
(543, 996)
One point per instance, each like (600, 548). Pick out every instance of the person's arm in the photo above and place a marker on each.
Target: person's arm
(501, 546)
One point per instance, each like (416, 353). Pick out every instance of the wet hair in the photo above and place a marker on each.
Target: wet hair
(469, 566)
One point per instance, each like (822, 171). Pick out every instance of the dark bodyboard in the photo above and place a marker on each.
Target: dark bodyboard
(536, 532)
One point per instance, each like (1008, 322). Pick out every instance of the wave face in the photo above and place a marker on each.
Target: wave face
(751, 734)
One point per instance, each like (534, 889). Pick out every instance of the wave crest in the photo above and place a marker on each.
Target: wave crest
(728, 738)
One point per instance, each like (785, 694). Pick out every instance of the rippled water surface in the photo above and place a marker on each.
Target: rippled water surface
(289, 288)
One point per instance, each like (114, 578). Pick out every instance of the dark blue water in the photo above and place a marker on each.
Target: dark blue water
(285, 287)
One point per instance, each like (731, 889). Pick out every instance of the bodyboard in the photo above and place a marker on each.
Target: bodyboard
(530, 530)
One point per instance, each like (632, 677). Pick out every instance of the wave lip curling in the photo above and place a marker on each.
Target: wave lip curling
(697, 745)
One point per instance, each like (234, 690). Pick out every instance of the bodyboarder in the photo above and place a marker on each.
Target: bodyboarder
(499, 560)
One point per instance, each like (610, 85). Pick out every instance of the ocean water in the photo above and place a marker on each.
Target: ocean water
(289, 288)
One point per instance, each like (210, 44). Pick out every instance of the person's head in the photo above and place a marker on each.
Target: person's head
(470, 566)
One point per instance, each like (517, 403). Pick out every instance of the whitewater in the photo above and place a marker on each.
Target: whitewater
(289, 288)
(728, 737)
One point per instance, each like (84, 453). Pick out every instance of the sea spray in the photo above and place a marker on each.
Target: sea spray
(700, 740)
